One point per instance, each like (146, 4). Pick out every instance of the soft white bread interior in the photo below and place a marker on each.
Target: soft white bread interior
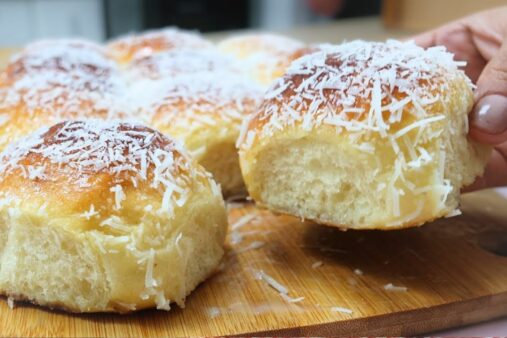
(106, 216)
(204, 111)
(365, 136)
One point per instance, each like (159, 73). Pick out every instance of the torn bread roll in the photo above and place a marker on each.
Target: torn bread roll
(364, 135)
(106, 216)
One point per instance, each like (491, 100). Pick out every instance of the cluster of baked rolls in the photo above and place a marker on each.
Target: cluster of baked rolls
(117, 159)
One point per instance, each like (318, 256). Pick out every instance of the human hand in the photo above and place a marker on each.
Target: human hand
(481, 41)
(326, 7)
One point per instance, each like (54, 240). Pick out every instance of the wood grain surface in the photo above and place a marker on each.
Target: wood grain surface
(453, 270)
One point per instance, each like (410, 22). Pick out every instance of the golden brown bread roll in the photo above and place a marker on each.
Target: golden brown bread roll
(105, 216)
(126, 48)
(364, 135)
(264, 56)
(58, 54)
(204, 111)
(54, 80)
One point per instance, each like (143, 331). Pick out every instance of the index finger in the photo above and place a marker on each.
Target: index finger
(425, 40)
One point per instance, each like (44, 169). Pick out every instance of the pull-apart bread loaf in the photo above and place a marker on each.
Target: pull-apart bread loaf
(105, 216)
(364, 135)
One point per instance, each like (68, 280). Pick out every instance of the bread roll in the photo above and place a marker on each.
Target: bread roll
(205, 112)
(365, 136)
(58, 54)
(105, 216)
(180, 62)
(265, 57)
(125, 48)
(51, 81)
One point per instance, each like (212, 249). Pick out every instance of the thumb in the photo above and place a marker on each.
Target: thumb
(488, 120)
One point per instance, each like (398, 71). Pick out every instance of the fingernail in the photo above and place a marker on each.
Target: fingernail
(490, 114)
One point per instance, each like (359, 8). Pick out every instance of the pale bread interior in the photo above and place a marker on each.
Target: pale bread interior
(52, 261)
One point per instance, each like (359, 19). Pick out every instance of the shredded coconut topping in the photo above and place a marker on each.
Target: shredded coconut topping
(153, 41)
(90, 213)
(198, 98)
(391, 287)
(83, 148)
(317, 264)
(252, 246)
(341, 309)
(243, 220)
(354, 85)
(180, 61)
(64, 79)
(282, 290)
(10, 302)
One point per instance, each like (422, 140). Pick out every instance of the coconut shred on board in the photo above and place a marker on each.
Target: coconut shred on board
(273, 283)
(243, 221)
(391, 287)
(341, 309)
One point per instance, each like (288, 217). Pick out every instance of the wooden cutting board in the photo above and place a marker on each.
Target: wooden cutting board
(454, 271)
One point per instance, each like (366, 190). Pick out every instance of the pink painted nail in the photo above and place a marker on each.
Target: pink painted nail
(490, 114)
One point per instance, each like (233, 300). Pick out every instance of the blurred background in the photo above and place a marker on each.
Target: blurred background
(22, 21)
